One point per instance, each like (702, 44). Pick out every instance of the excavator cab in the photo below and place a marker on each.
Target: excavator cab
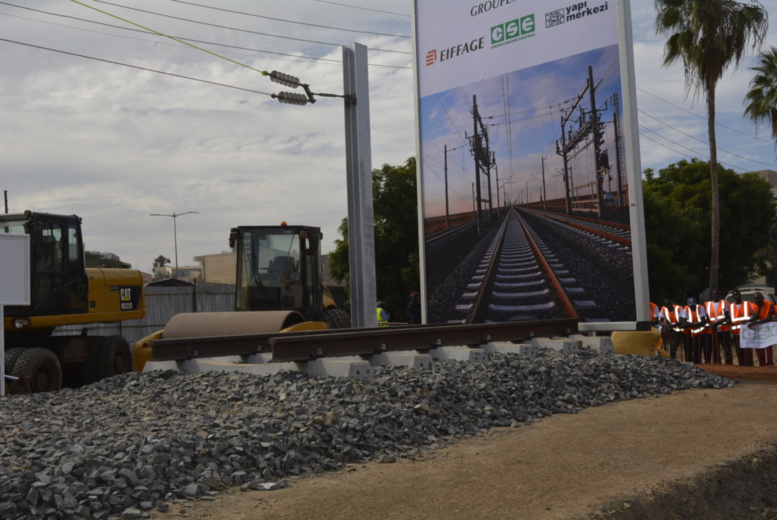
(58, 284)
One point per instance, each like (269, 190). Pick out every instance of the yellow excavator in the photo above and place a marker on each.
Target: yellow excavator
(39, 354)
(279, 287)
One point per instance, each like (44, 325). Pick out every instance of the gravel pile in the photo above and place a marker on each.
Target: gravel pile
(138, 442)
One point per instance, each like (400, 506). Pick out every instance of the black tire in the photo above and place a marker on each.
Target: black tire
(113, 357)
(89, 367)
(11, 355)
(42, 367)
(337, 318)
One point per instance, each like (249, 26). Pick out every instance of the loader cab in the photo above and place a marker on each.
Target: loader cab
(278, 268)
(58, 282)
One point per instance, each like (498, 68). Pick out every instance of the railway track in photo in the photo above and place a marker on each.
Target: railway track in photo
(541, 265)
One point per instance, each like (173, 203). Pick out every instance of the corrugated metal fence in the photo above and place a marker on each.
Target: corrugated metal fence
(162, 303)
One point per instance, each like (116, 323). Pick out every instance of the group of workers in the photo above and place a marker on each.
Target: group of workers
(701, 332)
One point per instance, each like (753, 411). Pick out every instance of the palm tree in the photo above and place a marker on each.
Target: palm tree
(761, 99)
(707, 36)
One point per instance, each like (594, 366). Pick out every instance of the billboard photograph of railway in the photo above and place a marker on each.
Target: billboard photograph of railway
(525, 192)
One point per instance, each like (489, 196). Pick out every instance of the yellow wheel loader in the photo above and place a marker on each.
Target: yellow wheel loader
(39, 354)
(278, 288)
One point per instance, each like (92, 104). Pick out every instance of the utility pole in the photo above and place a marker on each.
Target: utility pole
(544, 193)
(361, 234)
(447, 209)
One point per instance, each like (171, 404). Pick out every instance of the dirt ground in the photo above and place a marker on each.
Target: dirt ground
(622, 460)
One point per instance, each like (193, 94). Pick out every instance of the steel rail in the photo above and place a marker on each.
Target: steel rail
(305, 346)
(558, 289)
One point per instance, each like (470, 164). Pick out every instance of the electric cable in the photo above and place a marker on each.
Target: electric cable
(135, 67)
(289, 21)
(226, 27)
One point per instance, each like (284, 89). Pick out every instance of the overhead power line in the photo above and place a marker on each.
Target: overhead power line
(136, 67)
(363, 8)
(291, 21)
(704, 142)
(263, 72)
(131, 29)
(234, 28)
(702, 117)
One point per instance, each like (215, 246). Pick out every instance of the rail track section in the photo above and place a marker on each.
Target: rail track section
(353, 353)
(535, 269)
(517, 280)
(618, 234)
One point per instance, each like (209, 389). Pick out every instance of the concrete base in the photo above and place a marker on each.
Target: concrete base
(224, 364)
(565, 345)
(503, 347)
(601, 344)
(468, 354)
(350, 367)
(411, 359)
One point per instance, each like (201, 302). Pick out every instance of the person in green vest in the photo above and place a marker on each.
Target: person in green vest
(382, 315)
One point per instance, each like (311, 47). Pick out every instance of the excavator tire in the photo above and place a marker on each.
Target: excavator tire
(11, 355)
(113, 357)
(42, 368)
(89, 367)
(337, 318)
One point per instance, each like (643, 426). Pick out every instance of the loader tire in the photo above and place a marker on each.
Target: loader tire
(11, 355)
(337, 318)
(113, 357)
(42, 368)
(89, 366)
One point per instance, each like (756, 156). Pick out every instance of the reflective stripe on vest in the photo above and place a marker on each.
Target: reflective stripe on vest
(672, 318)
(716, 312)
(737, 320)
(697, 320)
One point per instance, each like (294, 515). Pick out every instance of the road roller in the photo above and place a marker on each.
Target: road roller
(278, 288)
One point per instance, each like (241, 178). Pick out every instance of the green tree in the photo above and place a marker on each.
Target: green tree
(98, 259)
(677, 217)
(761, 99)
(396, 238)
(161, 261)
(707, 36)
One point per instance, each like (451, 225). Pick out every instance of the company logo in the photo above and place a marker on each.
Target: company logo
(573, 12)
(457, 51)
(513, 31)
(125, 295)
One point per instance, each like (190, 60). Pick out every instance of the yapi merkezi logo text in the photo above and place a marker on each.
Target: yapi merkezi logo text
(502, 34)
(573, 12)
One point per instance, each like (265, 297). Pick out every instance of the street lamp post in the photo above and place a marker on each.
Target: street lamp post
(175, 234)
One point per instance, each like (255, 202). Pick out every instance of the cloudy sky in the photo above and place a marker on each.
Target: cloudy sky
(91, 126)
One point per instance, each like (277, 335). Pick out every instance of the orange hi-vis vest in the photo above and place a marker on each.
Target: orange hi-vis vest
(672, 316)
(765, 311)
(695, 331)
(716, 312)
(740, 315)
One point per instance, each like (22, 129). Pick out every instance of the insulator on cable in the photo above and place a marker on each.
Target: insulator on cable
(284, 79)
(291, 98)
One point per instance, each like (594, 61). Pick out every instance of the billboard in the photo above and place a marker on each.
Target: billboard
(527, 157)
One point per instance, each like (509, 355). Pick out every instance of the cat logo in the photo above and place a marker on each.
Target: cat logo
(126, 298)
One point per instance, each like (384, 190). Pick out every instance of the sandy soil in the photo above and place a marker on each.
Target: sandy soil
(657, 457)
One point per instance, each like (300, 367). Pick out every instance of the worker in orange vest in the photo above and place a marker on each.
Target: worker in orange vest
(669, 320)
(718, 313)
(741, 312)
(764, 312)
(693, 318)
